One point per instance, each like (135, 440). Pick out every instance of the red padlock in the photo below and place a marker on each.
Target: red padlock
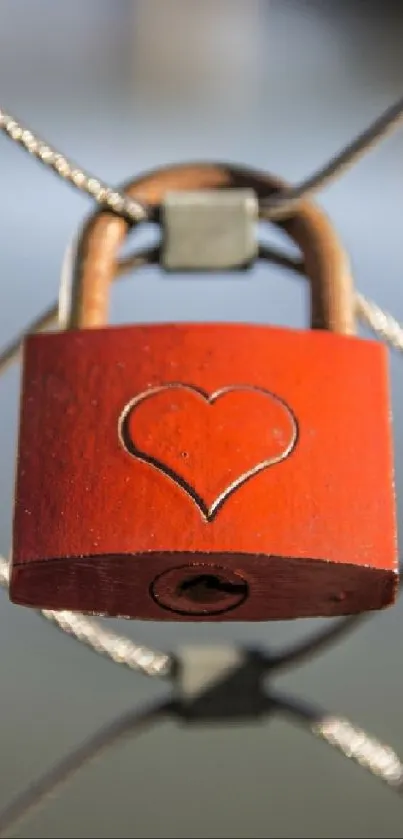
(205, 471)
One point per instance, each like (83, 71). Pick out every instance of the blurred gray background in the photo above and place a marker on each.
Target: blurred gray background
(122, 87)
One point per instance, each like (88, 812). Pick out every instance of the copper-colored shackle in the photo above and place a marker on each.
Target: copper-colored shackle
(332, 301)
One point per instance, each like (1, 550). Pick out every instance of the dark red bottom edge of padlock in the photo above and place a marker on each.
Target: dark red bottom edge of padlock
(183, 587)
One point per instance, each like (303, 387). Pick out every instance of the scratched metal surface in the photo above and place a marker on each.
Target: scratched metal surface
(279, 85)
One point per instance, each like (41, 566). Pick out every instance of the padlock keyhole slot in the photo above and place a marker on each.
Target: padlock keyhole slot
(198, 589)
(209, 588)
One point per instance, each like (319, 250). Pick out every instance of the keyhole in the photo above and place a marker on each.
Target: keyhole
(209, 588)
(199, 590)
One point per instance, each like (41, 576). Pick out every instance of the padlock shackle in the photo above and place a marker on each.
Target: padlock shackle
(325, 262)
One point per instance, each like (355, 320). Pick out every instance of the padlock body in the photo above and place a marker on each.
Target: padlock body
(204, 472)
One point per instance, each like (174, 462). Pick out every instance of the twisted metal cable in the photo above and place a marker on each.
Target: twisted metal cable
(302, 651)
(118, 648)
(103, 194)
(275, 207)
(349, 739)
(135, 722)
(284, 202)
(353, 743)
(381, 322)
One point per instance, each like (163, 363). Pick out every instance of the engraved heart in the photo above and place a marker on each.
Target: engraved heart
(208, 444)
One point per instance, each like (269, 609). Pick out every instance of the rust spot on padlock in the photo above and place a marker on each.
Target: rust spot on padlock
(148, 472)
(199, 590)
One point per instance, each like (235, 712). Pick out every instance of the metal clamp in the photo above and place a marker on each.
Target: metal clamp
(221, 684)
(209, 230)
